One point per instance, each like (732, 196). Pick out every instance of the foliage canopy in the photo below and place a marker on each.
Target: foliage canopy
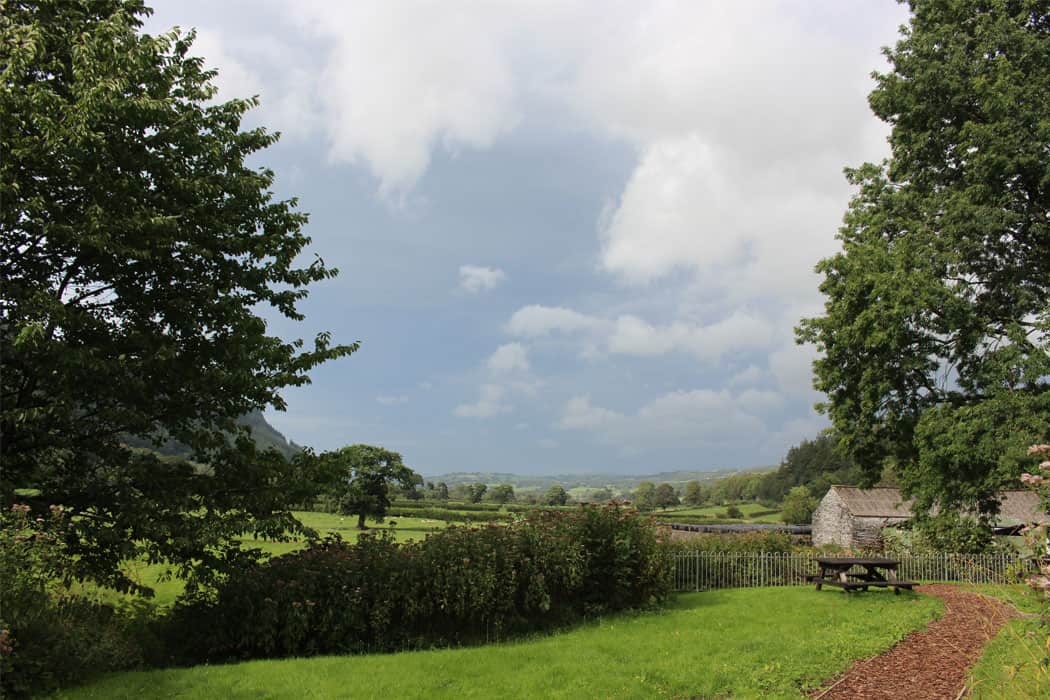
(138, 252)
(360, 477)
(935, 337)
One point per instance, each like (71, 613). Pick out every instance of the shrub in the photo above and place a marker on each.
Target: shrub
(50, 637)
(743, 542)
(457, 586)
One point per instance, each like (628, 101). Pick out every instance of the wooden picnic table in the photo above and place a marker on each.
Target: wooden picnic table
(858, 573)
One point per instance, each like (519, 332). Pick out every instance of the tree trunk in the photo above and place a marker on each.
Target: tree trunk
(361, 522)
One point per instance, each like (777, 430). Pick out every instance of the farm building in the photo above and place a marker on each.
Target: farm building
(849, 516)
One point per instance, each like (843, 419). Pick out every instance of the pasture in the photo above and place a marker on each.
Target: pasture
(753, 513)
(766, 642)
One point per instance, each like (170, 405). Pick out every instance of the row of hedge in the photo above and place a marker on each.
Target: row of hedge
(737, 542)
(472, 507)
(458, 586)
(446, 505)
(448, 516)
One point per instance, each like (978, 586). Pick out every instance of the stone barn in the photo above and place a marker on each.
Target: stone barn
(853, 517)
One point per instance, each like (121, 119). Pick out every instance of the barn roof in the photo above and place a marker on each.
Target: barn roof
(1016, 507)
(878, 502)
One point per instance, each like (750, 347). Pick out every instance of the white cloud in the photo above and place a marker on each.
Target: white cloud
(740, 331)
(489, 403)
(392, 400)
(526, 387)
(509, 357)
(403, 78)
(475, 279)
(792, 366)
(659, 223)
(759, 401)
(676, 419)
(579, 413)
(234, 79)
(630, 335)
(749, 375)
(259, 64)
(535, 320)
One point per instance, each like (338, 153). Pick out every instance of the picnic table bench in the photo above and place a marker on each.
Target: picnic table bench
(855, 573)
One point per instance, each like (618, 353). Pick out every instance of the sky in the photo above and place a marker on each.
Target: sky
(573, 236)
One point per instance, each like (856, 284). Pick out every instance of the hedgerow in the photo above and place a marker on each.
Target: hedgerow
(458, 586)
(50, 635)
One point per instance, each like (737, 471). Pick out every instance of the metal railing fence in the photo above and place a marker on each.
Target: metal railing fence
(698, 571)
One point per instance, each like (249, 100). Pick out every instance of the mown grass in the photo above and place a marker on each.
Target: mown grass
(748, 509)
(775, 643)
(166, 589)
(1011, 666)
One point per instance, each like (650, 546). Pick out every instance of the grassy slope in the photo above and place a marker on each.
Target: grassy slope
(740, 643)
(1010, 668)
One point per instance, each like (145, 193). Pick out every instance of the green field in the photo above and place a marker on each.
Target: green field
(765, 642)
(404, 529)
(718, 512)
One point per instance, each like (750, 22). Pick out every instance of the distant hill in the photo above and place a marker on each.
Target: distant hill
(614, 482)
(267, 436)
(264, 434)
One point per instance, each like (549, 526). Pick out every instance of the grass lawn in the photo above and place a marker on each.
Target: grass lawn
(760, 642)
(1010, 667)
(405, 530)
(748, 509)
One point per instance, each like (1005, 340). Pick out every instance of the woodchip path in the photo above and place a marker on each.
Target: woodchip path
(928, 664)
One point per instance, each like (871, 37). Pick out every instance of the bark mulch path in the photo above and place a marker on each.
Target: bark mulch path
(929, 664)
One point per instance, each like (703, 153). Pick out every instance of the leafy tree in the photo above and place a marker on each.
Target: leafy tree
(475, 492)
(360, 478)
(694, 493)
(441, 491)
(503, 493)
(137, 250)
(798, 506)
(411, 492)
(645, 496)
(601, 496)
(556, 496)
(737, 487)
(734, 512)
(935, 338)
(666, 496)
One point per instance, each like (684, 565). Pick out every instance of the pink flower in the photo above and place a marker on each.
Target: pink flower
(1033, 479)
(1039, 450)
(1045, 465)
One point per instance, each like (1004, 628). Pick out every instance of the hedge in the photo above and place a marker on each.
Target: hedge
(458, 586)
